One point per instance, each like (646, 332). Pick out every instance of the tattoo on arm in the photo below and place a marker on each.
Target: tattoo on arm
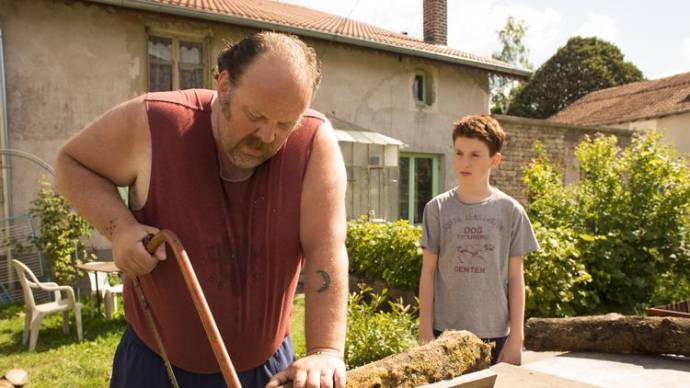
(325, 280)
(110, 228)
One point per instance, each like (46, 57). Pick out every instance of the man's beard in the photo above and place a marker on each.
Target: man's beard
(244, 160)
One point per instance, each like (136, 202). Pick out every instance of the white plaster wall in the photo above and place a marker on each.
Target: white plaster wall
(67, 62)
(374, 90)
(676, 129)
(644, 124)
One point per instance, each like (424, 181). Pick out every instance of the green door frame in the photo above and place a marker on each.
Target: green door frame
(412, 183)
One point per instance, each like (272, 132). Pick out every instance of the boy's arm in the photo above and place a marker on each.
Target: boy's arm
(512, 350)
(426, 297)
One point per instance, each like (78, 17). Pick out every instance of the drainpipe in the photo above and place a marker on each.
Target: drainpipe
(6, 168)
(5, 137)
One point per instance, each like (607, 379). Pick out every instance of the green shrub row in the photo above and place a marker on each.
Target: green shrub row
(387, 251)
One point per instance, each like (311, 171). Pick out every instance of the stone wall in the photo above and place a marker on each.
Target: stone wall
(560, 141)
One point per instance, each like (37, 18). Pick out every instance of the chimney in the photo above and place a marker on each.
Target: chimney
(436, 22)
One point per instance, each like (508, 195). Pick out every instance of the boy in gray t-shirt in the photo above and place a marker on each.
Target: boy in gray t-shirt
(475, 237)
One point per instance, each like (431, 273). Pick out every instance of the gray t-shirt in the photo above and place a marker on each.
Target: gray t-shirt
(473, 243)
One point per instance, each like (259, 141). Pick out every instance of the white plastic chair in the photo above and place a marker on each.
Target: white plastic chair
(35, 313)
(107, 293)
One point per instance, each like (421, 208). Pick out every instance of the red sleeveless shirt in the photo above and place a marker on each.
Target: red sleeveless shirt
(242, 238)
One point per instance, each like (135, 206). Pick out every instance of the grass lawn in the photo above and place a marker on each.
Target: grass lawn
(297, 326)
(61, 361)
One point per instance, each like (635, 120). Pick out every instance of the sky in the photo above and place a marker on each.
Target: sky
(652, 34)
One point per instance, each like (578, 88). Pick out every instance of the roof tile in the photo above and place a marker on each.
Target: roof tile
(631, 102)
(310, 19)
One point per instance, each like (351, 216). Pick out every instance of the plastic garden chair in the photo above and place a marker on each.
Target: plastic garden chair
(106, 291)
(35, 313)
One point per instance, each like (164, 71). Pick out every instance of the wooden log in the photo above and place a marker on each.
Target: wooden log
(15, 378)
(452, 354)
(611, 333)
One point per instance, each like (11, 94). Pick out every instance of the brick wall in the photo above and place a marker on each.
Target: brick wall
(435, 21)
(560, 141)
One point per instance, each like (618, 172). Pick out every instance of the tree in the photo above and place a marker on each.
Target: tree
(582, 66)
(514, 52)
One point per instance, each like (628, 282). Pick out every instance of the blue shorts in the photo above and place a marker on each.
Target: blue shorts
(137, 366)
(495, 351)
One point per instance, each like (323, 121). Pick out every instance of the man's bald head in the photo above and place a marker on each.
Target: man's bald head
(236, 58)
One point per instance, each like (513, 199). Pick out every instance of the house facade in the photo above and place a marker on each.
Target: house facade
(675, 128)
(67, 62)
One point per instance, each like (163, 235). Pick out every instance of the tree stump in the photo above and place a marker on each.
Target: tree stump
(454, 353)
(611, 333)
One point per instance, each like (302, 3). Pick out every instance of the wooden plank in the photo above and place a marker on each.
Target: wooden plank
(483, 379)
(511, 376)
(665, 312)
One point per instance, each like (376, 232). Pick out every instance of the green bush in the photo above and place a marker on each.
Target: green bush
(628, 218)
(387, 251)
(61, 234)
(555, 275)
(373, 333)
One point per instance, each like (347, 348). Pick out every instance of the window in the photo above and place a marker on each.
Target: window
(419, 176)
(421, 88)
(175, 63)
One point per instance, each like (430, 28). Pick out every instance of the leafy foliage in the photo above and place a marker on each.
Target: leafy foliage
(387, 251)
(555, 276)
(627, 221)
(583, 65)
(61, 234)
(373, 332)
(513, 51)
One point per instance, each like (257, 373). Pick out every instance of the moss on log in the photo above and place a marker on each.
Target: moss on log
(454, 353)
(611, 333)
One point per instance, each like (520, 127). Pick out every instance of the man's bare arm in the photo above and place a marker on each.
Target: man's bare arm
(322, 233)
(109, 152)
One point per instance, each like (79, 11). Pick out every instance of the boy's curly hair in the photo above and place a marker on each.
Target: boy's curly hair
(482, 127)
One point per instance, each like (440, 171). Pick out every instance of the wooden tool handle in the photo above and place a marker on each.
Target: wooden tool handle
(151, 243)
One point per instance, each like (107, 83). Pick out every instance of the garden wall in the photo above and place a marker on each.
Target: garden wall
(560, 141)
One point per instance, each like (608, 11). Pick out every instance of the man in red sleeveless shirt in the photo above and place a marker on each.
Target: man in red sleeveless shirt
(254, 184)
